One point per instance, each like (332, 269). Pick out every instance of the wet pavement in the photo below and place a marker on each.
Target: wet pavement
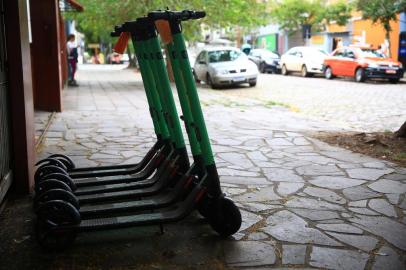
(304, 204)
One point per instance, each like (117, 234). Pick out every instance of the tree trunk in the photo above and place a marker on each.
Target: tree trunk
(387, 36)
(402, 131)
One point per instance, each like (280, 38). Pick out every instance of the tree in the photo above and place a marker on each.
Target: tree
(383, 12)
(99, 17)
(402, 131)
(291, 15)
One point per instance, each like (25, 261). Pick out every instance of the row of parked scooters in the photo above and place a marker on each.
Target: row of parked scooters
(163, 187)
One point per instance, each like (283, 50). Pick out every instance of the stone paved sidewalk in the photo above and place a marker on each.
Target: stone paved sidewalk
(304, 203)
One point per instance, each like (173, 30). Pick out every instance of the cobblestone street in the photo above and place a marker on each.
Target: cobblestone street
(369, 106)
(305, 204)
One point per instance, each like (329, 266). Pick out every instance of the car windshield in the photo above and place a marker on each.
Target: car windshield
(224, 55)
(269, 54)
(316, 53)
(371, 53)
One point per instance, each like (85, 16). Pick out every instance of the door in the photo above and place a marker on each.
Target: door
(5, 142)
(336, 62)
(350, 63)
(289, 59)
(201, 66)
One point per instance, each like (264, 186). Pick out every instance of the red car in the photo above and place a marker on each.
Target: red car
(362, 63)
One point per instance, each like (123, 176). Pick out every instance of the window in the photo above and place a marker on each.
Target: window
(224, 56)
(201, 58)
(349, 54)
(339, 53)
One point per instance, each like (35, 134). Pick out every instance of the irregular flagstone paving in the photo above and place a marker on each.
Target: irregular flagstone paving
(305, 203)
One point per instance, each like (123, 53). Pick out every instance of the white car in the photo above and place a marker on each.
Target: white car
(218, 66)
(306, 60)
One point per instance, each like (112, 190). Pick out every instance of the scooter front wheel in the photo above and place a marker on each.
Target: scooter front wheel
(225, 217)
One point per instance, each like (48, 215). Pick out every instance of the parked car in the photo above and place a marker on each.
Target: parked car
(306, 60)
(224, 66)
(266, 61)
(362, 64)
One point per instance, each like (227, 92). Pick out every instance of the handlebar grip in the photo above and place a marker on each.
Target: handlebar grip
(158, 15)
(199, 15)
(114, 34)
(183, 15)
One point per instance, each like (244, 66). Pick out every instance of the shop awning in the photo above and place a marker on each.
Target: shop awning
(70, 5)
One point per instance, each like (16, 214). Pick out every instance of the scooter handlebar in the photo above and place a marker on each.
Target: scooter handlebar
(176, 15)
(118, 29)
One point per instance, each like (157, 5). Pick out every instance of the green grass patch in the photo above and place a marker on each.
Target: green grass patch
(401, 156)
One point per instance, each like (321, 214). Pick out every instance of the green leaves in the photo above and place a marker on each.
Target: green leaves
(292, 14)
(381, 11)
(99, 17)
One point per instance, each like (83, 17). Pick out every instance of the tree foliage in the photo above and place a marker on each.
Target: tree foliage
(100, 17)
(382, 11)
(291, 15)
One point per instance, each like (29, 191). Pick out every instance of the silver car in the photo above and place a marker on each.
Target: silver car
(219, 66)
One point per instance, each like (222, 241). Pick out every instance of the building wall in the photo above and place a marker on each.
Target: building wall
(374, 34)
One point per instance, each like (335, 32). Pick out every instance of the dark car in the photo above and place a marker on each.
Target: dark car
(267, 61)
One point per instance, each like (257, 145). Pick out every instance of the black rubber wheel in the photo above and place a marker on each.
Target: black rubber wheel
(262, 67)
(60, 177)
(225, 217)
(67, 161)
(284, 70)
(253, 83)
(56, 194)
(55, 226)
(210, 82)
(304, 71)
(47, 169)
(328, 73)
(394, 80)
(195, 77)
(360, 75)
(51, 161)
(49, 184)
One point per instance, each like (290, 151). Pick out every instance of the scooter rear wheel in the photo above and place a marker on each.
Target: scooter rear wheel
(225, 217)
(49, 184)
(47, 169)
(56, 194)
(51, 161)
(61, 177)
(55, 220)
(67, 161)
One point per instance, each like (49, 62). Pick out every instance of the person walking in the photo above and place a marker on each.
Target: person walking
(72, 48)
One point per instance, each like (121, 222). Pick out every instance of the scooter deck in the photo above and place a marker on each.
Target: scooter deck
(176, 213)
(126, 185)
(90, 171)
(144, 171)
(170, 196)
(164, 181)
(154, 163)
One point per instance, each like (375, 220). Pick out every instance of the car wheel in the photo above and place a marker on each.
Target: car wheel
(304, 72)
(262, 67)
(328, 73)
(210, 82)
(195, 77)
(359, 75)
(284, 70)
(252, 83)
(394, 80)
